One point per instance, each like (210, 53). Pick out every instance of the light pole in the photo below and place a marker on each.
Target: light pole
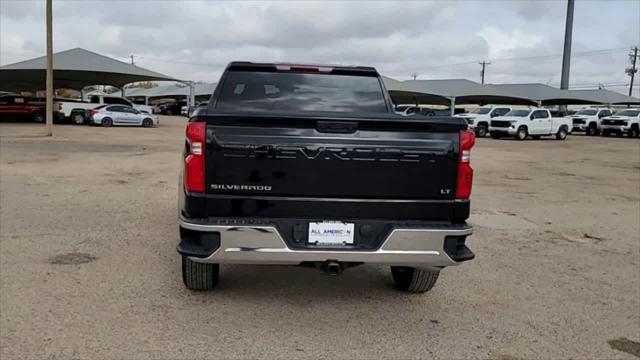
(49, 108)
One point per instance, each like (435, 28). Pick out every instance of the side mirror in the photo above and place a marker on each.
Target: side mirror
(531, 117)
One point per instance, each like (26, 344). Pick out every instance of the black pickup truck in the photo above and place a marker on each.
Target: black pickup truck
(309, 166)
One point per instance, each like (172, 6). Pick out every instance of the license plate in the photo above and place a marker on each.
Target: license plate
(330, 233)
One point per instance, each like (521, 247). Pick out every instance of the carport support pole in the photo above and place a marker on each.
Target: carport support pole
(566, 54)
(453, 105)
(49, 108)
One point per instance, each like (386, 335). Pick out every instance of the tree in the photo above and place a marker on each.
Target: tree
(142, 84)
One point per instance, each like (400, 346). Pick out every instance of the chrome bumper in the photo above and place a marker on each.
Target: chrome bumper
(246, 244)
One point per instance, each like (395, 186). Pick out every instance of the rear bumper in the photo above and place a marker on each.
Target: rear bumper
(240, 242)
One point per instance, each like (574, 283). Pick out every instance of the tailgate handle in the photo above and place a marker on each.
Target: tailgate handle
(341, 127)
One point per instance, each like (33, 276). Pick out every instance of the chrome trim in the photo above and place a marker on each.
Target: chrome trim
(257, 244)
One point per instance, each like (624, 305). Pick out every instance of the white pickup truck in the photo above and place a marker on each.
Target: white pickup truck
(478, 119)
(624, 121)
(534, 122)
(588, 120)
(77, 111)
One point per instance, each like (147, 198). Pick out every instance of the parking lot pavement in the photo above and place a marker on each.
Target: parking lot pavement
(88, 268)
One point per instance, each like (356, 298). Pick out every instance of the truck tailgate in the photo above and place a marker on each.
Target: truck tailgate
(333, 160)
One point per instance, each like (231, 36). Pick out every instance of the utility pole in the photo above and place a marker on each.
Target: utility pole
(132, 62)
(566, 54)
(49, 107)
(484, 64)
(414, 75)
(632, 69)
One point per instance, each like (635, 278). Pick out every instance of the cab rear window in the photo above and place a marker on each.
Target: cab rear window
(277, 91)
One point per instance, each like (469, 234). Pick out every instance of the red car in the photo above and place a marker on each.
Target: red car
(17, 106)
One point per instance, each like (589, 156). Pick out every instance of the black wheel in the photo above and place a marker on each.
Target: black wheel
(107, 122)
(535, 137)
(495, 135)
(634, 132)
(522, 133)
(77, 118)
(414, 280)
(169, 112)
(147, 122)
(481, 130)
(562, 133)
(199, 276)
(38, 117)
(592, 130)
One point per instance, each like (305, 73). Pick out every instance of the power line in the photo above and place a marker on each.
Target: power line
(534, 57)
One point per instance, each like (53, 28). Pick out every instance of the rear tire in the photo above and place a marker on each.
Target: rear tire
(592, 130)
(147, 123)
(634, 132)
(38, 117)
(522, 133)
(414, 280)
(481, 130)
(107, 122)
(77, 118)
(562, 133)
(199, 276)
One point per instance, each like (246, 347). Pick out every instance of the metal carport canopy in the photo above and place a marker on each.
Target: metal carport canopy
(171, 90)
(465, 91)
(605, 97)
(448, 91)
(401, 93)
(74, 69)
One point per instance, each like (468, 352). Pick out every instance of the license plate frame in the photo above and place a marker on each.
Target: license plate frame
(331, 233)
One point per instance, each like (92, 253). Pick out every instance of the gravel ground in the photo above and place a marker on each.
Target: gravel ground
(88, 268)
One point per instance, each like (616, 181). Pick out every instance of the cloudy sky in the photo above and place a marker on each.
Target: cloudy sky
(195, 40)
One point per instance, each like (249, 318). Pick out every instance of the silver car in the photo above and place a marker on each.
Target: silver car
(109, 115)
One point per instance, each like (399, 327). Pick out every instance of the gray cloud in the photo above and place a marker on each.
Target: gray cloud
(195, 40)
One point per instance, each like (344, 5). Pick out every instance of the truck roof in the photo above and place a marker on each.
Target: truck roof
(290, 67)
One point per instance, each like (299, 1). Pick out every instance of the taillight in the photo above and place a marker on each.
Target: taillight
(194, 161)
(93, 112)
(59, 106)
(465, 172)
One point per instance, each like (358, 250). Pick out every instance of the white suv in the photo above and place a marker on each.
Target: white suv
(478, 119)
(588, 120)
(624, 121)
(534, 122)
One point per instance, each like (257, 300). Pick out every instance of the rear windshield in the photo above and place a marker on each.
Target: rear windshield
(631, 113)
(587, 112)
(274, 91)
(520, 113)
(480, 111)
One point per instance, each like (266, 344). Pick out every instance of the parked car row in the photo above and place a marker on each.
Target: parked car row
(522, 122)
(76, 111)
